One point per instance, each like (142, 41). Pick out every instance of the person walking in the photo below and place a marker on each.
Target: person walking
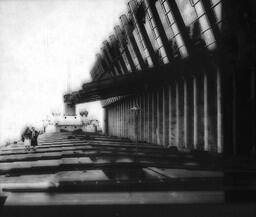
(26, 138)
(35, 134)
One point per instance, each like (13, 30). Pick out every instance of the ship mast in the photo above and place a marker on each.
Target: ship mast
(68, 78)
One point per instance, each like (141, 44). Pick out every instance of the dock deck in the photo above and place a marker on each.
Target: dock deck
(81, 170)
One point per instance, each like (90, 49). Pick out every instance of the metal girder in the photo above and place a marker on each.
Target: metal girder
(181, 25)
(151, 5)
(128, 31)
(131, 83)
(138, 16)
(120, 36)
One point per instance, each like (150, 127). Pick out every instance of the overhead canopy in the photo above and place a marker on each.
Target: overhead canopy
(129, 83)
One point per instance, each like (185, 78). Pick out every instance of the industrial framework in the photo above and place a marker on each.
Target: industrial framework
(188, 69)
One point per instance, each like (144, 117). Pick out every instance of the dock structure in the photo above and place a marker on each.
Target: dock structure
(61, 154)
(106, 175)
(93, 168)
(176, 80)
(189, 68)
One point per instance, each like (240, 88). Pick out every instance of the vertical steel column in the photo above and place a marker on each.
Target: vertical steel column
(135, 117)
(110, 121)
(106, 118)
(206, 142)
(138, 98)
(185, 114)
(160, 121)
(190, 113)
(195, 119)
(170, 108)
(139, 118)
(219, 114)
(177, 116)
(181, 113)
(165, 116)
(123, 118)
(201, 112)
(145, 116)
(114, 116)
(128, 125)
(154, 117)
(150, 117)
(174, 122)
(130, 128)
(212, 101)
(123, 121)
(132, 118)
(119, 119)
(126, 117)
(158, 133)
(253, 108)
(114, 120)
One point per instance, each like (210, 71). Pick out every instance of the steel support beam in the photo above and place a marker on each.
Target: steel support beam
(123, 44)
(137, 16)
(152, 7)
(181, 26)
(128, 30)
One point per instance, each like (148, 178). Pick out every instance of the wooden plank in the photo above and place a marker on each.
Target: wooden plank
(81, 176)
(45, 199)
(184, 173)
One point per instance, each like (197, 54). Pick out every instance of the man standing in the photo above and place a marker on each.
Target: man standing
(26, 138)
(34, 138)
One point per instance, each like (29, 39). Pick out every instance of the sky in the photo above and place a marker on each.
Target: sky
(41, 42)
